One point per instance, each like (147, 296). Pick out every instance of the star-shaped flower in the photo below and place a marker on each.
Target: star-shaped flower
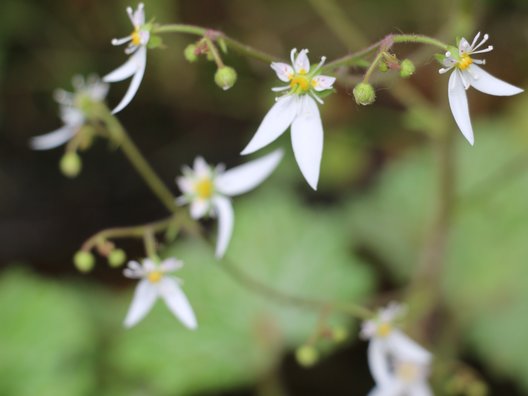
(297, 108)
(466, 73)
(208, 190)
(137, 49)
(73, 111)
(156, 283)
(398, 364)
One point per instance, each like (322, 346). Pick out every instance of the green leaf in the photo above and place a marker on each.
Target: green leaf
(242, 333)
(46, 341)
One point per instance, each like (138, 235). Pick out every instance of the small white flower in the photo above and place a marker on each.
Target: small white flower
(297, 108)
(466, 73)
(398, 364)
(208, 190)
(72, 111)
(156, 283)
(136, 63)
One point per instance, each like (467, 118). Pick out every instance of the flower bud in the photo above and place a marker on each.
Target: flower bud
(407, 68)
(364, 94)
(383, 67)
(225, 77)
(339, 334)
(306, 356)
(70, 164)
(190, 53)
(116, 258)
(84, 261)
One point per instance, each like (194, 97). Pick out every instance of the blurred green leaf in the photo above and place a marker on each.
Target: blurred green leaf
(242, 334)
(486, 278)
(46, 342)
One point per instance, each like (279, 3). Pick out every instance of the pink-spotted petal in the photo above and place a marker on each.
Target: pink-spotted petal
(302, 63)
(321, 83)
(284, 71)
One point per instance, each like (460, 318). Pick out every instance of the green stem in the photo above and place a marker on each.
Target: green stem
(150, 243)
(357, 57)
(239, 47)
(214, 51)
(120, 136)
(372, 66)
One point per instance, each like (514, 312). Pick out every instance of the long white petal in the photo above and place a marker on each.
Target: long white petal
(199, 208)
(276, 121)
(52, 139)
(224, 210)
(177, 302)
(459, 105)
(392, 388)
(307, 140)
(141, 59)
(126, 70)
(246, 177)
(485, 82)
(378, 361)
(143, 300)
(404, 348)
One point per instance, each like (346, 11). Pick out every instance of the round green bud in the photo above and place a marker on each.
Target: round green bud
(84, 261)
(307, 355)
(383, 67)
(190, 53)
(364, 94)
(407, 68)
(225, 77)
(116, 258)
(340, 334)
(70, 164)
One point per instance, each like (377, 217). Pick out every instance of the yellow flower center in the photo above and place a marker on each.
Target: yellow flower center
(136, 37)
(464, 62)
(204, 188)
(384, 329)
(154, 276)
(300, 82)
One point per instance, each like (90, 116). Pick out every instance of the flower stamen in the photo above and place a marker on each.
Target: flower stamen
(204, 188)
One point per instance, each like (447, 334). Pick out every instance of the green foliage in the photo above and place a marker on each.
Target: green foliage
(46, 339)
(485, 281)
(242, 334)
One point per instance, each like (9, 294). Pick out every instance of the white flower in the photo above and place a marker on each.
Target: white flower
(466, 73)
(208, 190)
(136, 63)
(398, 364)
(156, 283)
(297, 108)
(72, 111)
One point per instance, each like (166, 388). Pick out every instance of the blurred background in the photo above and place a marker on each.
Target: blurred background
(359, 238)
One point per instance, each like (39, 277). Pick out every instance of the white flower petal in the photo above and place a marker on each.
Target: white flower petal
(177, 302)
(321, 83)
(52, 139)
(464, 47)
(485, 82)
(404, 348)
(247, 176)
(185, 184)
(171, 264)
(224, 210)
(200, 167)
(307, 140)
(126, 70)
(378, 361)
(459, 105)
(420, 389)
(143, 300)
(283, 70)
(276, 121)
(141, 61)
(199, 208)
(302, 64)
